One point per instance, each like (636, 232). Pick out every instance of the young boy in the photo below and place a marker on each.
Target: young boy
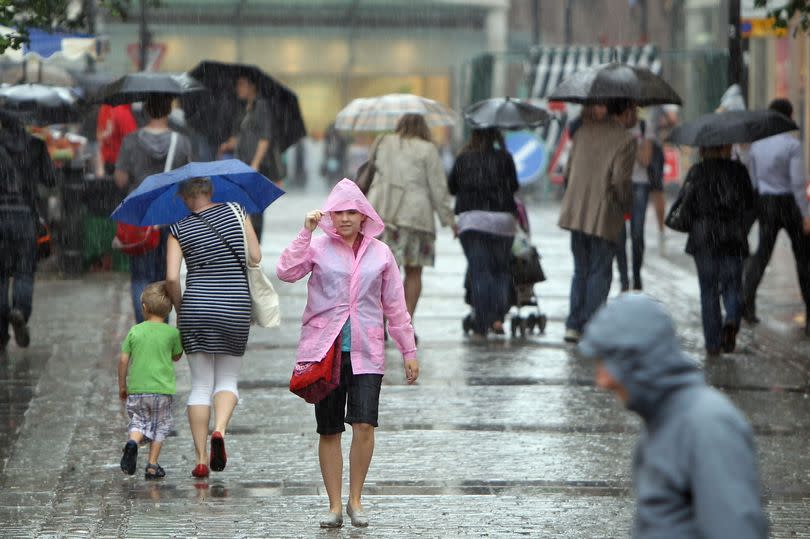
(148, 353)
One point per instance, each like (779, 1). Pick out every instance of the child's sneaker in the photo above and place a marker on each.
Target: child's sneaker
(129, 461)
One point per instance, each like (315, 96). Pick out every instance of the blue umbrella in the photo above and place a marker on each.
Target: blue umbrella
(157, 202)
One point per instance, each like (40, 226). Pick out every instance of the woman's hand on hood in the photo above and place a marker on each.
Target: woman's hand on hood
(312, 220)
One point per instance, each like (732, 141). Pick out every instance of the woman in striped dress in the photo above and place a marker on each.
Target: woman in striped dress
(213, 313)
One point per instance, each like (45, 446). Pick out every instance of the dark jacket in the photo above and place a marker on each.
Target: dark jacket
(24, 164)
(718, 208)
(485, 181)
(695, 466)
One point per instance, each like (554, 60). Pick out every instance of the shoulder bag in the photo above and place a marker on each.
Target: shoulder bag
(676, 218)
(314, 381)
(136, 240)
(265, 310)
(366, 171)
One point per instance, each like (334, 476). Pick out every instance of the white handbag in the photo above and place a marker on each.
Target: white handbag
(266, 311)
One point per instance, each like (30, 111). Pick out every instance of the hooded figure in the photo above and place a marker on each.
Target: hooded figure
(364, 287)
(695, 469)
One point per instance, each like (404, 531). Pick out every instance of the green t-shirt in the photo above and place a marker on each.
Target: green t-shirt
(150, 346)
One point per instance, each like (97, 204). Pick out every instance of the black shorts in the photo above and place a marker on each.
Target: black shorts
(356, 400)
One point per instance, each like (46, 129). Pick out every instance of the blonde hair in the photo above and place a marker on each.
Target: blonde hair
(195, 187)
(155, 298)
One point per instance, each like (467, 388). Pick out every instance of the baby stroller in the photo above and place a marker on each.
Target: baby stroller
(525, 316)
(526, 271)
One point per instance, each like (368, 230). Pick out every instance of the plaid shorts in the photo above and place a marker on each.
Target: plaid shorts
(151, 415)
(411, 248)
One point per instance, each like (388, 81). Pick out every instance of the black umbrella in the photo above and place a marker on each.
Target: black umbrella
(505, 113)
(733, 127)
(212, 113)
(138, 86)
(612, 81)
(39, 104)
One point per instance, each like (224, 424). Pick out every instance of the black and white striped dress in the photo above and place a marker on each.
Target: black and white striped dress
(215, 314)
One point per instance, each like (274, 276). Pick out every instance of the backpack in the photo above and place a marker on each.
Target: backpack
(134, 240)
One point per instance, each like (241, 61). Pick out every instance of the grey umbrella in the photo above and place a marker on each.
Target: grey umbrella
(138, 86)
(505, 113)
(39, 104)
(613, 81)
(733, 127)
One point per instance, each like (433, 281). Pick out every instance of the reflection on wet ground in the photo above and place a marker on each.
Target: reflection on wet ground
(502, 439)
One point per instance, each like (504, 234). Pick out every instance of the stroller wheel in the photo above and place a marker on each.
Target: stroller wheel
(524, 327)
(541, 323)
(531, 322)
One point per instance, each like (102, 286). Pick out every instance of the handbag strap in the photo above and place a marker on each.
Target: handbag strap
(373, 155)
(172, 149)
(223, 240)
(241, 218)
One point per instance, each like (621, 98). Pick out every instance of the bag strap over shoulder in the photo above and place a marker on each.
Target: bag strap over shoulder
(223, 240)
(172, 150)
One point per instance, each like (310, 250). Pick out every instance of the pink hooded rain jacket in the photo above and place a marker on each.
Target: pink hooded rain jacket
(341, 286)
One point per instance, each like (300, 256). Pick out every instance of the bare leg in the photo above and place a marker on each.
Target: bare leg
(660, 208)
(413, 287)
(198, 418)
(136, 436)
(359, 461)
(154, 452)
(331, 458)
(224, 404)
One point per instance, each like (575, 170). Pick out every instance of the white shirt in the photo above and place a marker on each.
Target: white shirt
(777, 168)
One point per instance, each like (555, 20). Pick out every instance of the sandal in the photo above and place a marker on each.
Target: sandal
(200, 471)
(129, 460)
(157, 471)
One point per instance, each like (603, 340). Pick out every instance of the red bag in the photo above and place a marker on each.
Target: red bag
(313, 381)
(136, 240)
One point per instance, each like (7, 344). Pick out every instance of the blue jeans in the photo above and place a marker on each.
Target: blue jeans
(719, 276)
(593, 272)
(641, 196)
(489, 258)
(145, 269)
(18, 260)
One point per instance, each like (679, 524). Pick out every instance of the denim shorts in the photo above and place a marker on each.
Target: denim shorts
(356, 400)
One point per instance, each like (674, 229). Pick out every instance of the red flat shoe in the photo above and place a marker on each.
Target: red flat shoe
(218, 458)
(200, 471)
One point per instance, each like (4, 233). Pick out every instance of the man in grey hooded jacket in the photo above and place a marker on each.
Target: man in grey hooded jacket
(695, 469)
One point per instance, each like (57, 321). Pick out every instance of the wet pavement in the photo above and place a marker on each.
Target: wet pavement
(499, 439)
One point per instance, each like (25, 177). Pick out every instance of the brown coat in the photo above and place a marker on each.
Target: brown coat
(599, 191)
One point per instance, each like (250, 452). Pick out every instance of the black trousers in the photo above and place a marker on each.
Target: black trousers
(776, 212)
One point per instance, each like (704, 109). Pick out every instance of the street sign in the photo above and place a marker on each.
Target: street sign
(760, 28)
(154, 55)
(529, 154)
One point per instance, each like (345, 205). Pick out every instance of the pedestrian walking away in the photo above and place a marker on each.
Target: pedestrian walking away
(145, 152)
(354, 282)
(24, 166)
(715, 206)
(214, 311)
(695, 465)
(484, 182)
(408, 188)
(778, 174)
(598, 194)
(146, 380)
(644, 136)
(253, 141)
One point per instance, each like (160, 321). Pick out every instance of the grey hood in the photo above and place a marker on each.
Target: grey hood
(635, 337)
(155, 144)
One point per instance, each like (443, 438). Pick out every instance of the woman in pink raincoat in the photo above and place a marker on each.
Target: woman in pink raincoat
(354, 284)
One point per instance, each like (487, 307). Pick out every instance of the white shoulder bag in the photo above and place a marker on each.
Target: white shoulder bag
(264, 300)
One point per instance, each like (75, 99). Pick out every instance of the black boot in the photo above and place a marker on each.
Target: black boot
(749, 313)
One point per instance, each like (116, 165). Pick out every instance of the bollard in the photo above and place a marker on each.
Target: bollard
(71, 261)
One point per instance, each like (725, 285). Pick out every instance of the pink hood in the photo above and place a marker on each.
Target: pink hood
(347, 196)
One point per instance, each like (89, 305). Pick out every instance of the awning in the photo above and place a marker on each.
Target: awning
(65, 45)
(549, 65)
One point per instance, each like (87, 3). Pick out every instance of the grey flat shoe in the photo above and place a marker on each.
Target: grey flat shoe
(332, 520)
(359, 518)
